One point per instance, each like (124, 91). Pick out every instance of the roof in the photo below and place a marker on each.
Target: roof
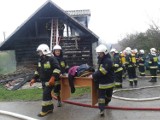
(48, 5)
(79, 12)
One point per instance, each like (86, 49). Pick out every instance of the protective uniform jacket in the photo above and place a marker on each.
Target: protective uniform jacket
(47, 66)
(105, 73)
(117, 63)
(141, 59)
(153, 61)
(63, 65)
(130, 60)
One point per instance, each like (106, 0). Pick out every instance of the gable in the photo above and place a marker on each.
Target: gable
(42, 15)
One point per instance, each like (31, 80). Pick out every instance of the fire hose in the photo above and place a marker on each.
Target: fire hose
(23, 117)
(122, 98)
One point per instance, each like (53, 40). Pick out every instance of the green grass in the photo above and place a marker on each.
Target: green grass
(32, 94)
(81, 91)
(20, 95)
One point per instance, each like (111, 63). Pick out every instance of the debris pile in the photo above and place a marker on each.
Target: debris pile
(17, 79)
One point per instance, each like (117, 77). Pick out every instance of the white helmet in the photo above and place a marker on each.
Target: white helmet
(128, 50)
(141, 51)
(113, 50)
(44, 48)
(57, 47)
(135, 50)
(102, 48)
(153, 50)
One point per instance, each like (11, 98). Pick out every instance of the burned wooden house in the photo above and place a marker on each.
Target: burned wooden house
(52, 25)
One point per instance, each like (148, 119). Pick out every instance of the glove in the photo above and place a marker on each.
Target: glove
(51, 81)
(32, 82)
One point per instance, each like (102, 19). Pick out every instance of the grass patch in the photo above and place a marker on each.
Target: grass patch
(81, 91)
(20, 95)
(32, 94)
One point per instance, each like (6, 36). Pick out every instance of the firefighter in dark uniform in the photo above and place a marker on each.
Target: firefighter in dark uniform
(57, 52)
(117, 68)
(153, 64)
(141, 61)
(131, 67)
(104, 77)
(48, 71)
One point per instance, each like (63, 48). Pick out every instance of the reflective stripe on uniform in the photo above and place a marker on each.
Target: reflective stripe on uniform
(105, 86)
(153, 67)
(141, 64)
(56, 71)
(47, 65)
(118, 83)
(46, 103)
(102, 70)
(131, 80)
(135, 79)
(155, 59)
(39, 64)
(142, 73)
(36, 73)
(101, 100)
(130, 65)
(62, 64)
(119, 69)
(116, 65)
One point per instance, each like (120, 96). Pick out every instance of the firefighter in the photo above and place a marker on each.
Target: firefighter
(48, 71)
(104, 77)
(57, 52)
(131, 67)
(117, 68)
(141, 61)
(123, 61)
(135, 51)
(153, 64)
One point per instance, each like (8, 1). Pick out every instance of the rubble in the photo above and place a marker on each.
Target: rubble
(18, 78)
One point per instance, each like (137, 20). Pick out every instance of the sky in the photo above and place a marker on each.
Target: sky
(111, 20)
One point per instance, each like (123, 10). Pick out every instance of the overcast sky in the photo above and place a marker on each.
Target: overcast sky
(111, 20)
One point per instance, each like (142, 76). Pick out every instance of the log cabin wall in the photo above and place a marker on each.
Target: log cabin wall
(76, 50)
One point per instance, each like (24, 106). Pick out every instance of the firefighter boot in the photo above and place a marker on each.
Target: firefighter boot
(73, 89)
(135, 82)
(59, 104)
(101, 113)
(42, 114)
(153, 80)
(131, 83)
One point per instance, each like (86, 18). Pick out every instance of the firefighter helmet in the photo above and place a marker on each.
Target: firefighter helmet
(135, 50)
(153, 50)
(57, 47)
(102, 48)
(128, 50)
(113, 50)
(141, 51)
(44, 48)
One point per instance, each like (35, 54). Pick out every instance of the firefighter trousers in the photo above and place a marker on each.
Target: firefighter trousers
(153, 73)
(141, 70)
(118, 78)
(104, 97)
(47, 103)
